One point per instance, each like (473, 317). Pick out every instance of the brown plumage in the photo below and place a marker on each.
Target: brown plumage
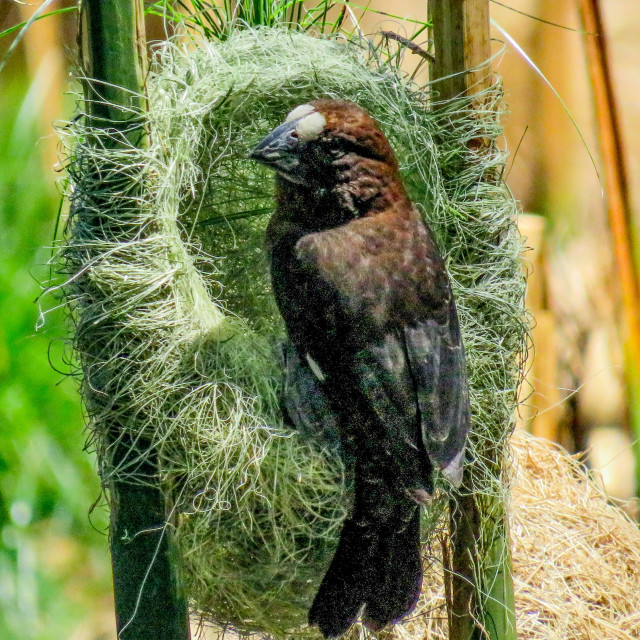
(377, 353)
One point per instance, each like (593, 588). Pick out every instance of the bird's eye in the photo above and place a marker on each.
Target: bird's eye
(294, 134)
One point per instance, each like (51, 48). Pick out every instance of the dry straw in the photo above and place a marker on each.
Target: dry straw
(576, 558)
(176, 330)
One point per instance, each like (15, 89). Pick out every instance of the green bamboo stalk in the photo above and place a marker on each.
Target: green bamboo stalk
(499, 607)
(148, 602)
(112, 41)
(480, 584)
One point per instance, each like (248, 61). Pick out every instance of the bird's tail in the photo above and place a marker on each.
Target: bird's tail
(378, 569)
(396, 584)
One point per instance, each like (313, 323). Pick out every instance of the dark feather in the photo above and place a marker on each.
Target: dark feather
(396, 585)
(377, 567)
(305, 404)
(438, 367)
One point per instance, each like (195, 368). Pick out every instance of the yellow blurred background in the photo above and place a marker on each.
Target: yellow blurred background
(54, 564)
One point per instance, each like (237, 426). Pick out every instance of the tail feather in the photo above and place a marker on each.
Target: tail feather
(344, 587)
(380, 571)
(396, 585)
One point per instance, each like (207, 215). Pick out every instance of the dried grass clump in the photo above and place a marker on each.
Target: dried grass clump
(177, 332)
(576, 558)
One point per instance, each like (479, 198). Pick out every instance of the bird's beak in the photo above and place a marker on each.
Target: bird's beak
(280, 151)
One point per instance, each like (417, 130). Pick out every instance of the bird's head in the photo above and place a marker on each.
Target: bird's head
(320, 142)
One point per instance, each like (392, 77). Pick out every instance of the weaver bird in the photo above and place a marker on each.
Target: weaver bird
(368, 307)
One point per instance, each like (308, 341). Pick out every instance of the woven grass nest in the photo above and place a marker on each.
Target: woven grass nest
(176, 329)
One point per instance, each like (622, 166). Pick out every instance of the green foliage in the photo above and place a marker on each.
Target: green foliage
(47, 483)
(21, 25)
(217, 21)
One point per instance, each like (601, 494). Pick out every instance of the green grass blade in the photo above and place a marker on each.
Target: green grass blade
(546, 80)
(25, 26)
(16, 27)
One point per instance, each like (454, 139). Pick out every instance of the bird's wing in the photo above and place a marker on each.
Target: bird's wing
(418, 375)
(438, 368)
(395, 307)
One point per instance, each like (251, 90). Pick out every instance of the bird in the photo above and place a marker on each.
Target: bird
(369, 312)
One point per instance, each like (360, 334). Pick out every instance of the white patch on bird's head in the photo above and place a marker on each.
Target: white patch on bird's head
(300, 111)
(310, 127)
(310, 122)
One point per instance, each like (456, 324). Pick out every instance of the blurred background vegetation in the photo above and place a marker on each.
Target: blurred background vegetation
(53, 556)
(54, 563)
